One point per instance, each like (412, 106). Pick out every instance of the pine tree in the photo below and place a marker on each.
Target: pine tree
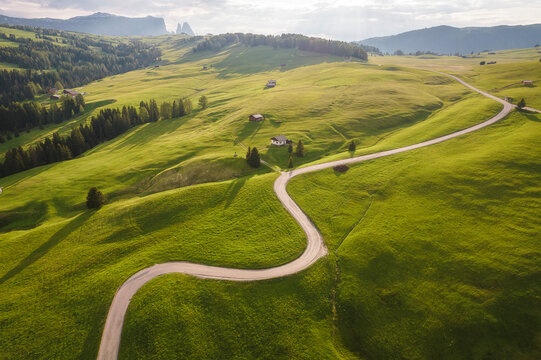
(188, 106)
(290, 162)
(153, 111)
(290, 149)
(18, 161)
(299, 151)
(181, 111)
(165, 110)
(521, 104)
(203, 102)
(77, 142)
(143, 114)
(254, 159)
(80, 100)
(248, 154)
(94, 198)
(352, 146)
(108, 129)
(174, 111)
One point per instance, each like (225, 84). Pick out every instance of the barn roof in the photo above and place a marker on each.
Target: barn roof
(279, 138)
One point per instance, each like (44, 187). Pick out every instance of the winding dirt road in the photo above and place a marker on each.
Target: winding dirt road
(315, 249)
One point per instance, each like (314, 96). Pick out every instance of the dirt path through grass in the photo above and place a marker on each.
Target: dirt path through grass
(315, 249)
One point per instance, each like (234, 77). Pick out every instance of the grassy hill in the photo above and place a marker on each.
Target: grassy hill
(176, 191)
(434, 254)
(500, 79)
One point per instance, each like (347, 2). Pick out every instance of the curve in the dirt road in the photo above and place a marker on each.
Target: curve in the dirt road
(315, 249)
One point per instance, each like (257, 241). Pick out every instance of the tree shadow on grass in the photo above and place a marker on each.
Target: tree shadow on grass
(25, 217)
(54, 240)
(249, 130)
(233, 190)
(532, 116)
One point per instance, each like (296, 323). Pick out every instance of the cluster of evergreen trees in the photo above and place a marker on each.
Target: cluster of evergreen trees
(369, 48)
(25, 116)
(299, 151)
(301, 42)
(73, 65)
(253, 158)
(108, 124)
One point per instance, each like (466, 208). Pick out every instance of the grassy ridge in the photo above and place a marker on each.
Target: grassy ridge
(434, 253)
(444, 261)
(60, 264)
(58, 279)
(500, 79)
(505, 80)
(342, 102)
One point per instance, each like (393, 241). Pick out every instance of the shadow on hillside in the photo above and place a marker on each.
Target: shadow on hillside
(23, 218)
(250, 129)
(233, 190)
(42, 250)
(532, 116)
(148, 132)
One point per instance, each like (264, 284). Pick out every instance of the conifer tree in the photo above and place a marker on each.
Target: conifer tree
(203, 102)
(290, 149)
(165, 110)
(181, 111)
(299, 151)
(80, 100)
(94, 198)
(254, 159)
(290, 162)
(352, 146)
(521, 104)
(248, 154)
(188, 106)
(143, 114)
(153, 111)
(174, 110)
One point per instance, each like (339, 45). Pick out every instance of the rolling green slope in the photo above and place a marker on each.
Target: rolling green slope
(434, 254)
(60, 264)
(500, 79)
(58, 279)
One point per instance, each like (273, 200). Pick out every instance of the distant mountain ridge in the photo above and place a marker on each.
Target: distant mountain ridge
(449, 40)
(98, 24)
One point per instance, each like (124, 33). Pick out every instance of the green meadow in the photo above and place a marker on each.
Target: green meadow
(500, 79)
(432, 252)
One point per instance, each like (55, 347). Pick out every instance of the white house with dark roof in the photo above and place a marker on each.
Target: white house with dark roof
(280, 140)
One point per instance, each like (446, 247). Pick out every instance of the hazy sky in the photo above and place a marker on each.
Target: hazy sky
(337, 19)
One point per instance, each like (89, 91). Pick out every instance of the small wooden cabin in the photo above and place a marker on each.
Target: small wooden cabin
(256, 117)
(271, 83)
(280, 140)
(527, 82)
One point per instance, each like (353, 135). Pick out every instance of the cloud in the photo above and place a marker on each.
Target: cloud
(338, 19)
